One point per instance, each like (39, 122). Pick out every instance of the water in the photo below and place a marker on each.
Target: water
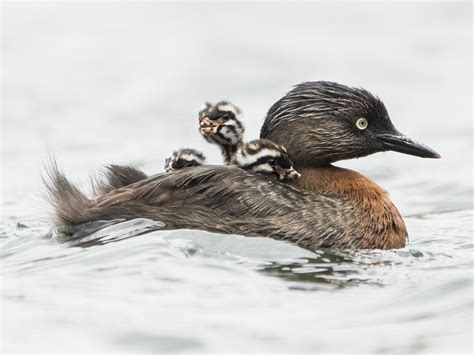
(122, 82)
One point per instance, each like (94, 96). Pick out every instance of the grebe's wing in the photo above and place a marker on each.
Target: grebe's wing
(213, 198)
(230, 190)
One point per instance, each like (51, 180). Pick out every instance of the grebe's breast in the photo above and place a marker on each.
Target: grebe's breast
(376, 212)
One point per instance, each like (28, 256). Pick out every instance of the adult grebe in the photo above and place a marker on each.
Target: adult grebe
(318, 123)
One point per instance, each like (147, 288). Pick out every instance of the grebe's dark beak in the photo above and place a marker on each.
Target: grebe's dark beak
(402, 144)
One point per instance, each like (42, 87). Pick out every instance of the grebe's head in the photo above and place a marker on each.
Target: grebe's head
(265, 157)
(323, 122)
(220, 123)
(184, 158)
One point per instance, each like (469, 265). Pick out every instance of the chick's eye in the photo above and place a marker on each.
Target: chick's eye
(362, 123)
(272, 162)
(225, 116)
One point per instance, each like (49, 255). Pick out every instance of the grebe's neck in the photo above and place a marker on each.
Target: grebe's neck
(379, 216)
(229, 151)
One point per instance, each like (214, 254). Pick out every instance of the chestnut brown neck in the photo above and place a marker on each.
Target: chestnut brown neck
(378, 215)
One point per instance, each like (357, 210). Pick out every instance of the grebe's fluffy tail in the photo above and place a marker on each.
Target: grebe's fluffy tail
(68, 202)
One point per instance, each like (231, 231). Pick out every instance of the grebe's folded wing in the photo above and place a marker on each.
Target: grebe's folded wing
(217, 199)
(228, 190)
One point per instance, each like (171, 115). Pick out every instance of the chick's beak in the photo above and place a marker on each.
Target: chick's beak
(206, 125)
(398, 142)
(288, 174)
(169, 168)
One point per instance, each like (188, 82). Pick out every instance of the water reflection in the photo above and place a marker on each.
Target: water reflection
(103, 232)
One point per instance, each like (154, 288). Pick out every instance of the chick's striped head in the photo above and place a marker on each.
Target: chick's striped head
(184, 158)
(265, 157)
(220, 124)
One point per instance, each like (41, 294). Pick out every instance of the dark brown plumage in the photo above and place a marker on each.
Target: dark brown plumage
(333, 207)
(207, 197)
(115, 176)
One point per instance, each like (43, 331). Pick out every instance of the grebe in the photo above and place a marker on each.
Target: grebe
(267, 158)
(184, 158)
(319, 123)
(221, 124)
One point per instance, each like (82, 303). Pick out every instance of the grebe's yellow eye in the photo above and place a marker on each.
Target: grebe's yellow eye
(362, 123)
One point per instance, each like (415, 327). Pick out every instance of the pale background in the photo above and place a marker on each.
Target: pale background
(95, 83)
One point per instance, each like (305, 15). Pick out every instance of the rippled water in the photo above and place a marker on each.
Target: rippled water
(118, 82)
